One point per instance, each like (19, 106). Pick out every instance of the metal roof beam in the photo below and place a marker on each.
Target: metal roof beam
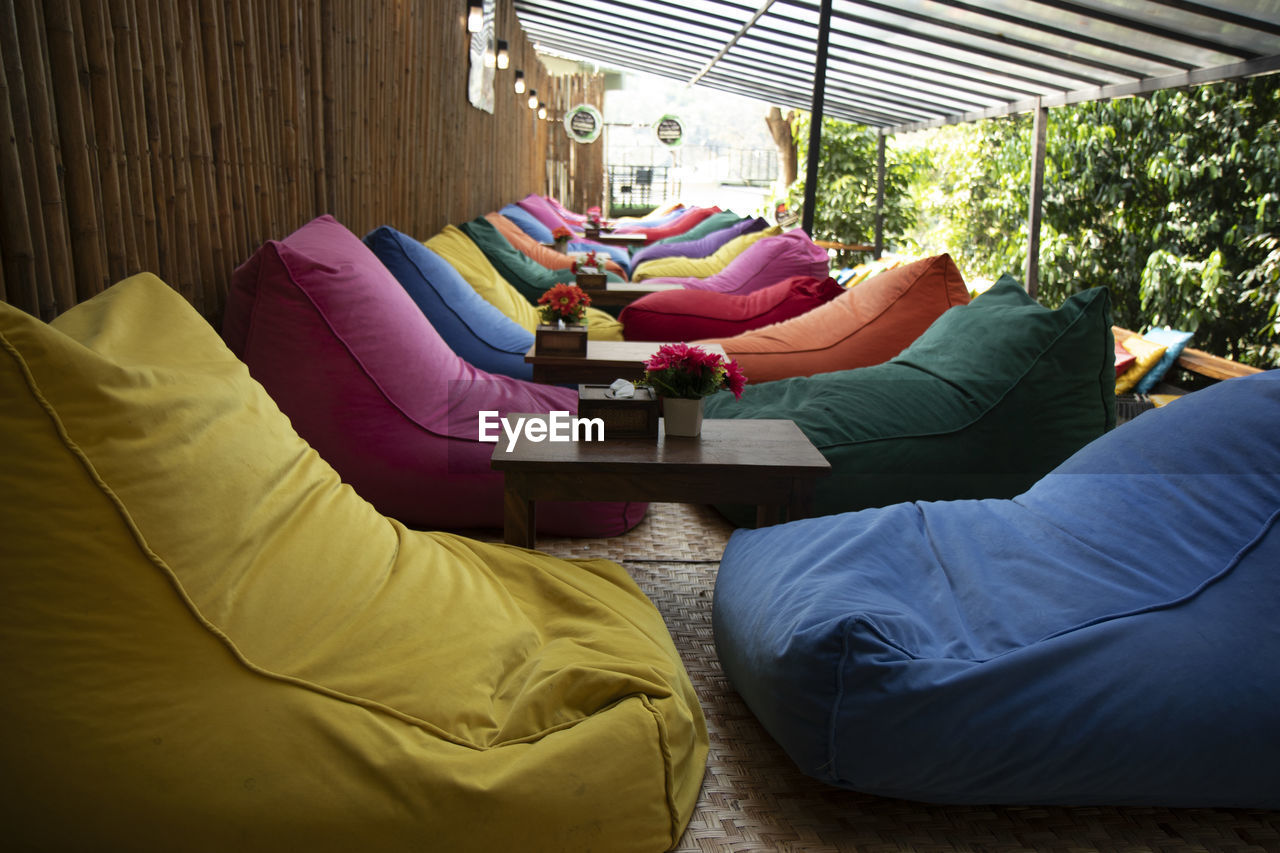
(1145, 86)
(764, 7)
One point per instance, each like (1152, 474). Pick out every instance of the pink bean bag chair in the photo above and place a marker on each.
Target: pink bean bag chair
(687, 315)
(767, 261)
(365, 379)
(868, 324)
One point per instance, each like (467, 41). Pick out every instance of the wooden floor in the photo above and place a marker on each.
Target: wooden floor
(753, 798)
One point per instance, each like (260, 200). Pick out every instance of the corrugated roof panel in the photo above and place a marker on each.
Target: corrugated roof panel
(899, 63)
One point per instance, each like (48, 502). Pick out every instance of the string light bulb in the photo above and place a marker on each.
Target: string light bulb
(542, 110)
(504, 55)
(475, 16)
(519, 84)
(533, 99)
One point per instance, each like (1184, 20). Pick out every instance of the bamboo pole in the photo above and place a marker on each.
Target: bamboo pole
(19, 267)
(27, 255)
(99, 57)
(50, 216)
(73, 138)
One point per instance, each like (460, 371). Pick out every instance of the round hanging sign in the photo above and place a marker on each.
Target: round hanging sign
(583, 123)
(669, 130)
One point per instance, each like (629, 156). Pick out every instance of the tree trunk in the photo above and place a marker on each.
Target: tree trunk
(780, 129)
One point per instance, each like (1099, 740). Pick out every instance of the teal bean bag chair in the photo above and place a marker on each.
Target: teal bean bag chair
(988, 400)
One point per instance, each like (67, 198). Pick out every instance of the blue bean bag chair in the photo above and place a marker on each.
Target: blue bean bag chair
(481, 334)
(528, 223)
(1107, 637)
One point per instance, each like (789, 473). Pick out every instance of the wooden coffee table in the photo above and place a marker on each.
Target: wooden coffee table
(626, 292)
(604, 362)
(769, 463)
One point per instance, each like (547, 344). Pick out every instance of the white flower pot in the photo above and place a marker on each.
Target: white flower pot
(682, 417)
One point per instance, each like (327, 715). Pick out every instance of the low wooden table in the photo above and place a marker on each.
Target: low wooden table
(610, 238)
(626, 292)
(769, 463)
(604, 362)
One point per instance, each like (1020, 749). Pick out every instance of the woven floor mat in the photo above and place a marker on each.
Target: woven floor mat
(754, 799)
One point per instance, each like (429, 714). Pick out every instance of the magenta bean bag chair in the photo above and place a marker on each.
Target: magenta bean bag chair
(542, 210)
(766, 261)
(689, 315)
(365, 379)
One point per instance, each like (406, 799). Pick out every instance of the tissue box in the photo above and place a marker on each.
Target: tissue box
(627, 417)
(591, 278)
(554, 340)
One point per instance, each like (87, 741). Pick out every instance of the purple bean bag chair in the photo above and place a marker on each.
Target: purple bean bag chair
(767, 261)
(365, 379)
(691, 315)
(700, 247)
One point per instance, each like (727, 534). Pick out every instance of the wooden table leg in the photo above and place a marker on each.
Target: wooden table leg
(519, 516)
(767, 515)
(801, 503)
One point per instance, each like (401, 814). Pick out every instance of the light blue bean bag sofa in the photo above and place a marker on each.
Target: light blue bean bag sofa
(480, 334)
(1110, 636)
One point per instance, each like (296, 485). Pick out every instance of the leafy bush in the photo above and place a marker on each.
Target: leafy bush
(846, 200)
(1170, 200)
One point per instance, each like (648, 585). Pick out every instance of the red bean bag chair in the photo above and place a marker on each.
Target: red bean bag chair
(766, 261)
(868, 324)
(687, 315)
(345, 352)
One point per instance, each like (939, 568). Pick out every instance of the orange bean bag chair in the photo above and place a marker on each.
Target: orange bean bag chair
(535, 251)
(869, 324)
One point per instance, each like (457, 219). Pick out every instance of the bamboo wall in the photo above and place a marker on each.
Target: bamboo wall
(175, 136)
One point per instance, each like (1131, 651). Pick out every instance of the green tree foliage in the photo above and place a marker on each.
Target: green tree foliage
(1169, 200)
(846, 199)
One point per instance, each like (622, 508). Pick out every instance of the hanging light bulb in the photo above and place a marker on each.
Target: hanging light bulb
(542, 110)
(504, 55)
(519, 84)
(533, 99)
(489, 59)
(475, 16)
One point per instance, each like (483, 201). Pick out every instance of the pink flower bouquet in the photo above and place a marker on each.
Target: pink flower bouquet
(691, 372)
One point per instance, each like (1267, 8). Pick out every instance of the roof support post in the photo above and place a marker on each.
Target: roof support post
(879, 249)
(815, 118)
(1038, 135)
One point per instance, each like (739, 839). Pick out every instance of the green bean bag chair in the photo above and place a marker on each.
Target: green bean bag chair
(990, 398)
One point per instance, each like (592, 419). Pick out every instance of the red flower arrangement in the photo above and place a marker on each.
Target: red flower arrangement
(561, 235)
(565, 302)
(691, 372)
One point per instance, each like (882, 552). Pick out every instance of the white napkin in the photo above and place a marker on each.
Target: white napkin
(621, 389)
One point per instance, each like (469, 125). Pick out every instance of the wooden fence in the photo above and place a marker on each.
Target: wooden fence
(175, 136)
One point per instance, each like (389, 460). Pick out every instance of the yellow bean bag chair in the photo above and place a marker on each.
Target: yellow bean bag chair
(209, 642)
(678, 267)
(465, 256)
